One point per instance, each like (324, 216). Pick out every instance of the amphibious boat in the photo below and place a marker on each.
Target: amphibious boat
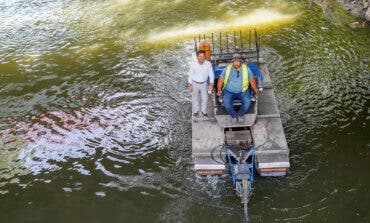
(256, 143)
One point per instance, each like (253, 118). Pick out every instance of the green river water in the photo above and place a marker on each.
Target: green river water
(95, 113)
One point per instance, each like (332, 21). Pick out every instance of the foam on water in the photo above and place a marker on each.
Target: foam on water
(257, 17)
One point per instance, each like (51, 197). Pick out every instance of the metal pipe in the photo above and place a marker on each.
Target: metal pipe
(230, 166)
(220, 43)
(241, 40)
(252, 172)
(250, 37)
(257, 47)
(227, 43)
(195, 44)
(213, 45)
(234, 42)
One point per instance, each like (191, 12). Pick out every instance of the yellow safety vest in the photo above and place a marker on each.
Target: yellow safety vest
(244, 73)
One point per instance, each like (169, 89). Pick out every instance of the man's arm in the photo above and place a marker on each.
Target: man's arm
(210, 87)
(220, 81)
(211, 76)
(190, 78)
(253, 80)
(253, 83)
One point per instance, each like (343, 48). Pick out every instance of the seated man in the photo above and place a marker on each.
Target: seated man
(234, 83)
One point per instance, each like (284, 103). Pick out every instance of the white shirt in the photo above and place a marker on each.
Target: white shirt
(201, 72)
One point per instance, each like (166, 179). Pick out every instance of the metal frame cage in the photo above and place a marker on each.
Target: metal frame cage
(225, 44)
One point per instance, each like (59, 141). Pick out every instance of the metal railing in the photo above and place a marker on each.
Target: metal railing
(225, 44)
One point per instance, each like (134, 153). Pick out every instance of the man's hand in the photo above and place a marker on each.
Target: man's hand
(210, 87)
(219, 86)
(253, 83)
(190, 88)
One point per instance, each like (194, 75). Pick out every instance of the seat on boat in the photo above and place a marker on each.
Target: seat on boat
(225, 120)
(236, 103)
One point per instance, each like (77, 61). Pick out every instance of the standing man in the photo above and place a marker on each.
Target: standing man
(199, 72)
(234, 83)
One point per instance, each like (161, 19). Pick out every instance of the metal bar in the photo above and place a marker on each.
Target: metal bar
(241, 40)
(231, 166)
(213, 44)
(220, 44)
(199, 38)
(204, 37)
(252, 169)
(257, 47)
(259, 41)
(195, 44)
(250, 37)
(227, 43)
(234, 42)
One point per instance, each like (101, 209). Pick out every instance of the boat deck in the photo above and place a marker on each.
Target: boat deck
(271, 149)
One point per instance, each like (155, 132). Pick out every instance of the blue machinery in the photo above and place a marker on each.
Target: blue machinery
(238, 138)
(242, 171)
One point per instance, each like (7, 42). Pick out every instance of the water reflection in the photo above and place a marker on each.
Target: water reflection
(90, 112)
(58, 135)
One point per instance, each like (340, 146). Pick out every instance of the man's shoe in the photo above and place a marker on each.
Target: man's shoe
(205, 114)
(241, 118)
(234, 120)
(253, 98)
(195, 114)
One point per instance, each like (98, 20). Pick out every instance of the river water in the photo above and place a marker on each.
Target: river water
(95, 114)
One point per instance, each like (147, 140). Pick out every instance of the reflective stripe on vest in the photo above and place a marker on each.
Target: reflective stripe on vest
(244, 73)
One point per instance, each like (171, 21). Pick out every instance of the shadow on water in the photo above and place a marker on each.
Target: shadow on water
(95, 122)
